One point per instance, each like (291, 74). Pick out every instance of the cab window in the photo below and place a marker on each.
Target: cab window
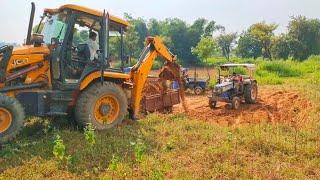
(80, 48)
(55, 26)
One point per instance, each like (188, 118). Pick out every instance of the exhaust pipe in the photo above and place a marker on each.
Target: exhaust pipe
(33, 9)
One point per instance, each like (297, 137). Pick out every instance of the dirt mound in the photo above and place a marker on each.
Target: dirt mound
(272, 106)
(153, 86)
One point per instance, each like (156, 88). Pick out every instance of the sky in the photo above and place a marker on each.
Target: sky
(235, 15)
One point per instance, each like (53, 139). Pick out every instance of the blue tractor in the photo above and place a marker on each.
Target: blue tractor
(234, 88)
(198, 86)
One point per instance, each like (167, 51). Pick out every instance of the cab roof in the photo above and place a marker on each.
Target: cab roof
(88, 11)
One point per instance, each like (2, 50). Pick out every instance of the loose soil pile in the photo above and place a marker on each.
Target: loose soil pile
(276, 106)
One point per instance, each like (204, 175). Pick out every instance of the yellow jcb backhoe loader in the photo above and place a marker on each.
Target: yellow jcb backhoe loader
(50, 76)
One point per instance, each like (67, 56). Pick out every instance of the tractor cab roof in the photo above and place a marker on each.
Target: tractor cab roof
(247, 66)
(93, 12)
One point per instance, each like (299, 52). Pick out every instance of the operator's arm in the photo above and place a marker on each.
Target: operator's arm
(139, 73)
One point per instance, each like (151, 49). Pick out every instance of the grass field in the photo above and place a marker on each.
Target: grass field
(177, 146)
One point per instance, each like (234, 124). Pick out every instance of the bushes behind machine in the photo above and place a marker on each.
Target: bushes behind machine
(282, 68)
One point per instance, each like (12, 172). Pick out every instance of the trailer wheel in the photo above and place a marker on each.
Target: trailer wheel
(104, 106)
(198, 90)
(251, 93)
(236, 102)
(11, 118)
(212, 103)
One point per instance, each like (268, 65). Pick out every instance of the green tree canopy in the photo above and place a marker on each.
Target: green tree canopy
(206, 48)
(131, 41)
(225, 42)
(304, 37)
(263, 33)
(140, 27)
(248, 46)
(280, 47)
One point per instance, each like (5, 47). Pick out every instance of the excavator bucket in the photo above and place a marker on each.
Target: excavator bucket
(157, 96)
(172, 71)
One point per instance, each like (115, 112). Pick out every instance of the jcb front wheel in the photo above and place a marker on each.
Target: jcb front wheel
(103, 105)
(11, 118)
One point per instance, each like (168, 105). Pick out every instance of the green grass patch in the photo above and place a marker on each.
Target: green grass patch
(267, 78)
(281, 68)
(238, 70)
(172, 146)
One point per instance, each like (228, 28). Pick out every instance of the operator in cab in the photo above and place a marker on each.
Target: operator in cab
(93, 46)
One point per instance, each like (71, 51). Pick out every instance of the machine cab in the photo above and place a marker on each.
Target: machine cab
(73, 54)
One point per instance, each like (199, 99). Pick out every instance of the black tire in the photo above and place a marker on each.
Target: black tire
(86, 103)
(198, 90)
(14, 108)
(212, 104)
(251, 93)
(236, 102)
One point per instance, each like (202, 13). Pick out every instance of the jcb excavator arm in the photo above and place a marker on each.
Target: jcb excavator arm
(139, 73)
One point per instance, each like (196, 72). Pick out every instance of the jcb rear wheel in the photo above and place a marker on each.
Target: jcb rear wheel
(11, 118)
(104, 106)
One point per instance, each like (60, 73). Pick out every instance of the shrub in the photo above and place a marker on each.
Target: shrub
(281, 68)
(315, 78)
(265, 77)
(117, 65)
(215, 61)
(90, 135)
(212, 83)
(139, 149)
(59, 148)
(238, 70)
(311, 65)
(157, 65)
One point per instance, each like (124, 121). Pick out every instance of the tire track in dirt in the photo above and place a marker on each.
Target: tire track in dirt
(274, 105)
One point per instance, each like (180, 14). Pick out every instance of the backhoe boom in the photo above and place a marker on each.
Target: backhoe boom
(154, 48)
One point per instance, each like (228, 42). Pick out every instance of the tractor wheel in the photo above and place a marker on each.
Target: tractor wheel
(198, 90)
(212, 104)
(11, 118)
(251, 93)
(103, 105)
(236, 102)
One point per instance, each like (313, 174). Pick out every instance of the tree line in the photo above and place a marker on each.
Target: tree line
(196, 42)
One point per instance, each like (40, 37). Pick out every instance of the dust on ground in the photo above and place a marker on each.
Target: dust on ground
(274, 105)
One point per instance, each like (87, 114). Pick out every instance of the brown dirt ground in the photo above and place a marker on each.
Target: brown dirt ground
(276, 106)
